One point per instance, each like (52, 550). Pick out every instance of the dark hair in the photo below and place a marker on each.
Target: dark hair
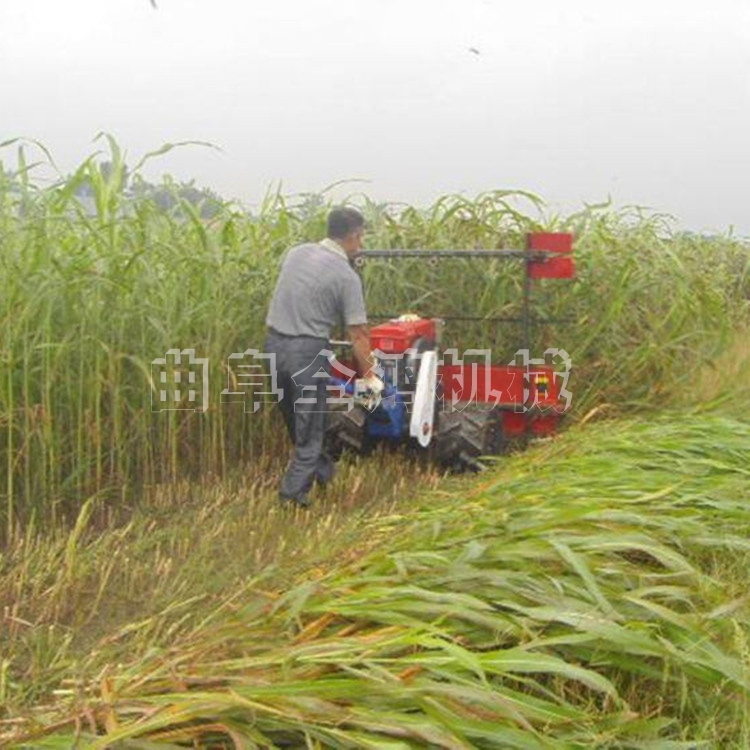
(342, 221)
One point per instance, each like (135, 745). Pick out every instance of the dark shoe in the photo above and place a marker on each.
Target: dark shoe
(324, 471)
(322, 479)
(294, 502)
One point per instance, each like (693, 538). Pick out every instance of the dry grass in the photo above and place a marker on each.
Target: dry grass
(186, 547)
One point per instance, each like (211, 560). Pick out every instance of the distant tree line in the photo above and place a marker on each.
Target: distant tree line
(167, 195)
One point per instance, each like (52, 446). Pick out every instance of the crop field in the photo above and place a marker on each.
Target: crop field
(590, 591)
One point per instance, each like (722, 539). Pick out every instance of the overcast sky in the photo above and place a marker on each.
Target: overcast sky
(646, 101)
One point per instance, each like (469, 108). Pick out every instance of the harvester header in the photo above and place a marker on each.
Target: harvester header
(458, 411)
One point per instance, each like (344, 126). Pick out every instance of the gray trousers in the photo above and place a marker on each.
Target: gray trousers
(302, 374)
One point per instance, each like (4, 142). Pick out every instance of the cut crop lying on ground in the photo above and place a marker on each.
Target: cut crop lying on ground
(589, 593)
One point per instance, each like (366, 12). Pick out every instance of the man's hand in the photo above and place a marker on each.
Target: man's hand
(367, 364)
(360, 338)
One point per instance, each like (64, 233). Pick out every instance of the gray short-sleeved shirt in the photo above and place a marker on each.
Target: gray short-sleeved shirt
(316, 290)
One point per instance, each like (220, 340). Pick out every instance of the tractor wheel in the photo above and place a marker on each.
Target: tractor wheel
(346, 431)
(464, 437)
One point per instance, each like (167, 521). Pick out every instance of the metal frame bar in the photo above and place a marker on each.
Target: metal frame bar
(506, 254)
(527, 256)
(526, 307)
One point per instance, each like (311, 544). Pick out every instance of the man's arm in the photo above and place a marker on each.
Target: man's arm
(359, 335)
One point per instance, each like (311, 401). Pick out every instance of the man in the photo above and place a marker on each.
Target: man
(316, 291)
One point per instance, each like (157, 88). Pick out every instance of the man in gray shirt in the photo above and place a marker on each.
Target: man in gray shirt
(316, 291)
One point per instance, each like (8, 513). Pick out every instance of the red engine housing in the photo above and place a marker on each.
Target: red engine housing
(396, 336)
(528, 397)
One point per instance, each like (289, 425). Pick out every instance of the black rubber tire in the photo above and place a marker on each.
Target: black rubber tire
(346, 431)
(464, 437)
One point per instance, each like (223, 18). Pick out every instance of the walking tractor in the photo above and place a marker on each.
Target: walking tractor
(456, 412)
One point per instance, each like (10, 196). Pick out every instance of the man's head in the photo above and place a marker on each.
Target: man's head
(347, 227)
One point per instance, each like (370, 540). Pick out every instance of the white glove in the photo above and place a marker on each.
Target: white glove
(372, 389)
(374, 384)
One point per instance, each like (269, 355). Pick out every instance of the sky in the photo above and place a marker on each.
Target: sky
(643, 102)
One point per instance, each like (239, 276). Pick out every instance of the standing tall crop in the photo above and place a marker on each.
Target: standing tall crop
(93, 291)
